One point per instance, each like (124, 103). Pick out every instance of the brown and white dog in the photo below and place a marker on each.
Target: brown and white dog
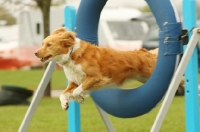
(88, 67)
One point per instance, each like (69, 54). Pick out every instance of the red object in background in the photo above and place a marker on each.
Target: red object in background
(12, 63)
(18, 58)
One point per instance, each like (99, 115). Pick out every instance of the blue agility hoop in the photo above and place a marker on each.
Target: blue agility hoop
(135, 102)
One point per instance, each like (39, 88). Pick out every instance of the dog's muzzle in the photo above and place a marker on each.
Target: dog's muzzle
(36, 54)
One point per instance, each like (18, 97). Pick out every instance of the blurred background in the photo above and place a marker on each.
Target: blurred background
(124, 25)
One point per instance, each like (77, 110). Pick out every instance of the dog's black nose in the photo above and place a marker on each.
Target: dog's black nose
(36, 53)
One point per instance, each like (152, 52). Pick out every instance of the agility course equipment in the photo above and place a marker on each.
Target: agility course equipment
(191, 73)
(74, 109)
(130, 103)
(136, 102)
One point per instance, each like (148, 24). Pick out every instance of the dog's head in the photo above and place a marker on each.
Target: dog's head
(55, 45)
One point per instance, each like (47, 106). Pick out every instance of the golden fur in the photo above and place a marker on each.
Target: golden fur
(101, 66)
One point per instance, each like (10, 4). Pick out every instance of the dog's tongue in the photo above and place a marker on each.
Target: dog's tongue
(45, 58)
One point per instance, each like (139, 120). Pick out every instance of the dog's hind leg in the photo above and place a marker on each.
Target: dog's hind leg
(67, 94)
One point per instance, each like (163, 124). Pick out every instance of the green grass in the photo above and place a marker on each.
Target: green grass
(49, 117)
(31, 78)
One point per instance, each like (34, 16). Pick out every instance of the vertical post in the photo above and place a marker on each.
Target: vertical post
(74, 108)
(191, 73)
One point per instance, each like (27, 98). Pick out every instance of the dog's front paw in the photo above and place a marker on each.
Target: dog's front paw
(79, 99)
(77, 94)
(64, 99)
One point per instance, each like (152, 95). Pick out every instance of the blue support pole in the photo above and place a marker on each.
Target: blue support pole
(191, 73)
(74, 108)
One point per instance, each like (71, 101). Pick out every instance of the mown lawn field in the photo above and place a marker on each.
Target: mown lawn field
(31, 78)
(49, 116)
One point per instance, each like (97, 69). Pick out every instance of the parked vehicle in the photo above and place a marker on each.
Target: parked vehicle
(31, 25)
(8, 39)
(118, 31)
(150, 39)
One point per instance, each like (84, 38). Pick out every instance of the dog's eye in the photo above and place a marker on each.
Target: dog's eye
(48, 45)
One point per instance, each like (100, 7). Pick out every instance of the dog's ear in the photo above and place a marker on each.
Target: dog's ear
(68, 38)
(59, 31)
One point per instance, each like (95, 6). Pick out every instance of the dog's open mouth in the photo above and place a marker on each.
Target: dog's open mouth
(45, 58)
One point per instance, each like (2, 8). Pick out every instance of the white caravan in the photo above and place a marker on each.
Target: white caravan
(116, 30)
(119, 30)
(31, 25)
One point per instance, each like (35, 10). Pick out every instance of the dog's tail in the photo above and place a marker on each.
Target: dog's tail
(154, 51)
(180, 89)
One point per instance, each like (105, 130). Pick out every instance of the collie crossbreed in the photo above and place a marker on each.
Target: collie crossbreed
(88, 67)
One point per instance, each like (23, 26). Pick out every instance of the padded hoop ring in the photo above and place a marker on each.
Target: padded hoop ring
(136, 102)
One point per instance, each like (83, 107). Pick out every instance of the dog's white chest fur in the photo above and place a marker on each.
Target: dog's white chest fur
(74, 72)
